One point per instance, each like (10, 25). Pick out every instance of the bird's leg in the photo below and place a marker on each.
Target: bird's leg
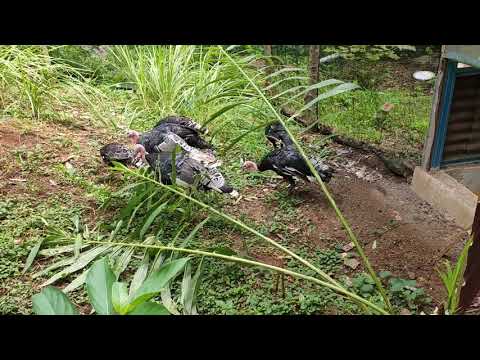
(245, 247)
(282, 285)
(275, 286)
(291, 188)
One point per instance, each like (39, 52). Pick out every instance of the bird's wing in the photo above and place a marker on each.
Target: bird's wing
(171, 140)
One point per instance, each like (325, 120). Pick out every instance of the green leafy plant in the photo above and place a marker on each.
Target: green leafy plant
(369, 52)
(452, 279)
(110, 297)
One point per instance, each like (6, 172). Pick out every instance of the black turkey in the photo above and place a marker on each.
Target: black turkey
(119, 153)
(182, 121)
(154, 140)
(189, 171)
(288, 163)
(277, 135)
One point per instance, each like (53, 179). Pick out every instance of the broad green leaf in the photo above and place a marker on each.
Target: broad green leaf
(32, 255)
(51, 301)
(120, 298)
(149, 308)
(100, 279)
(157, 281)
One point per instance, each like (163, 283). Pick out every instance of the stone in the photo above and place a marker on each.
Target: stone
(348, 247)
(351, 263)
(405, 312)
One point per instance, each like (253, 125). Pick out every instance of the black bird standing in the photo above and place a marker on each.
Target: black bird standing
(286, 161)
(277, 135)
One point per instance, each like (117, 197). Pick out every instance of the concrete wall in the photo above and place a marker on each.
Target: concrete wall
(446, 194)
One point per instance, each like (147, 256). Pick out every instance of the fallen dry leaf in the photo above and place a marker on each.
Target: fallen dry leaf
(66, 159)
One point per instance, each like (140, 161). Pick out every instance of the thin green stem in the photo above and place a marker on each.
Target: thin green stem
(335, 288)
(322, 185)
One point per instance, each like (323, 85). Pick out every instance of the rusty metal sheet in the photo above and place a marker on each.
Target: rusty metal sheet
(462, 141)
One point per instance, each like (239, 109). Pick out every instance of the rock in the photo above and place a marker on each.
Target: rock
(351, 263)
(405, 312)
(53, 183)
(348, 247)
(411, 275)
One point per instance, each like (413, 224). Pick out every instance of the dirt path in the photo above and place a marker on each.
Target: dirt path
(400, 232)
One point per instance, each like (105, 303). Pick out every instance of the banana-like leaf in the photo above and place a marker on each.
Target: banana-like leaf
(120, 298)
(157, 281)
(149, 308)
(99, 281)
(51, 301)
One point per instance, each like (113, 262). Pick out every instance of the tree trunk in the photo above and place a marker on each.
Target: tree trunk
(267, 50)
(313, 63)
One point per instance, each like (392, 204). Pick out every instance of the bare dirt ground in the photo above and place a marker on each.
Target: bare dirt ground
(400, 232)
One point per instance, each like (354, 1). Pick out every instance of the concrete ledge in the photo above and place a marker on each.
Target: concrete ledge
(446, 194)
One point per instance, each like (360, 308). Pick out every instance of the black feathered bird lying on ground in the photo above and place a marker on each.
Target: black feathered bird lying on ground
(154, 140)
(119, 153)
(181, 121)
(286, 161)
(189, 171)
